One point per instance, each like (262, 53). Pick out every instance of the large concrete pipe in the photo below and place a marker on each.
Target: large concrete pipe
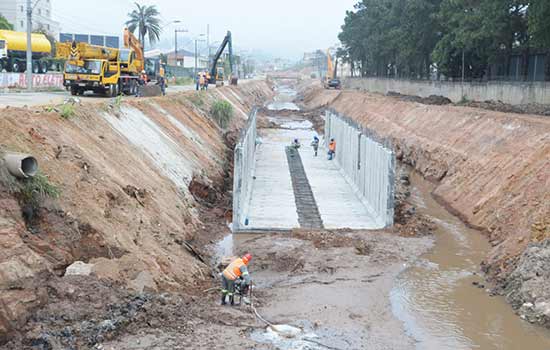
(21, 165)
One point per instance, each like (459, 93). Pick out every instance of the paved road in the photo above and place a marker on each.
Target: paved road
(21, 99)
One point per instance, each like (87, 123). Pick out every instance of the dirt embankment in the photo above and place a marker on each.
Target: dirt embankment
(492, 169)
(133, 180)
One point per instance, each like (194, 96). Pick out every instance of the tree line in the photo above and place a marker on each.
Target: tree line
(423, 38)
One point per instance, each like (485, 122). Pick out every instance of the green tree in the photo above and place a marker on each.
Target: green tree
(539, 22)
(145, 19)
(4, 24)
(484, 32)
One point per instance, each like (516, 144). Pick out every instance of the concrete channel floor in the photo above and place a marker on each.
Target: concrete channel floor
(272, 204)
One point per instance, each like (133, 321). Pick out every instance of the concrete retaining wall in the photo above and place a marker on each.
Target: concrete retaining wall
(243, 171)
(514, 93)
(366, 162)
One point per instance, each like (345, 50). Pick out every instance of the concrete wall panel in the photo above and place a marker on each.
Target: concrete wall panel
(243, 171)
(368, 164)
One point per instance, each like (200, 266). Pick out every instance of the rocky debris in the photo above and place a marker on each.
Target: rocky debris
(79, 268)
(202, 189)
(430, 100)
(408, 222)
(499, 106)
(528, 287)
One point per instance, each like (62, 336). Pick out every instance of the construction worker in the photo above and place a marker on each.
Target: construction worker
(331, 149)
(162, 80)
(207, 79)
(315, 145)
(142, 81)
(296, 144)
(198, 81)
(237, 269)
(201, 81)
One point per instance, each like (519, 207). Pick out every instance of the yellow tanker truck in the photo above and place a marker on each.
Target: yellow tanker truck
(13, 52)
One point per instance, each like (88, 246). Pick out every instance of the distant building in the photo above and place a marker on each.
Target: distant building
(15, 12)
(184, 58)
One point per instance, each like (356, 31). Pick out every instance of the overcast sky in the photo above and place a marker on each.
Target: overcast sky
(282, 28)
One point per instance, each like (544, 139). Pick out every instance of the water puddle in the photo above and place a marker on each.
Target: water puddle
(283, 99)
(280, 106)
(439, 305)
(292, 124)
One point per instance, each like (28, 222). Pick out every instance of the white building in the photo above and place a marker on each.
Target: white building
(185, 59)
(15, 11)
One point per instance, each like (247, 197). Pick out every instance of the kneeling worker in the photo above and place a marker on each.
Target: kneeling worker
(238, 268)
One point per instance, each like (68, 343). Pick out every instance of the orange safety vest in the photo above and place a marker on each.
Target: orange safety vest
(332, 146)
(233, 271)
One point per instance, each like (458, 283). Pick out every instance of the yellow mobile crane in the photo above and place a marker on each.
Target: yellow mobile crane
(102, 69)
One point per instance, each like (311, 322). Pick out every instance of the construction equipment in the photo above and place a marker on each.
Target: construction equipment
(13, 51)
(102, 69)
(331, 81)
(217, 74)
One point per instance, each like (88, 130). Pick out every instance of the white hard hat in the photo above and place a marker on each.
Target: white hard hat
(143, 72)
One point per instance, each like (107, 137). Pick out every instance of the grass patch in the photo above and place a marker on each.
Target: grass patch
(222, 112)
(34, 190)
(184, 81)
(197, 99)
(67, 111)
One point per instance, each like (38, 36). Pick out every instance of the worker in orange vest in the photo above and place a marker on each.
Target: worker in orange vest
(331, 149)
(237, 269)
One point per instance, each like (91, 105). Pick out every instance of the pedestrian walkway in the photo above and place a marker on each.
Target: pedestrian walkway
(273, 202)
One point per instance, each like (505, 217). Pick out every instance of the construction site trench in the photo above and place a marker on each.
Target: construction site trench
(360, 252)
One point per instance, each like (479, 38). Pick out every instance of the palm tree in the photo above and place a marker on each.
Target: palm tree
(146, 20)
(4, 24)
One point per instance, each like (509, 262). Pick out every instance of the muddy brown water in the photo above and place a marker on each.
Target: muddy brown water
(437, 301)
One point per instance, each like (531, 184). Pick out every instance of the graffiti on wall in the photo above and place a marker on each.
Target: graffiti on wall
(19, 80)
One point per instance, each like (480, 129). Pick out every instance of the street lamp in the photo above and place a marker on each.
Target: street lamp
(176, 31)
(196, 44)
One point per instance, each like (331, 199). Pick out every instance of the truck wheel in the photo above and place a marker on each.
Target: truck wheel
(35, 67)
(74, 90)
(18, 67)
(43, 67)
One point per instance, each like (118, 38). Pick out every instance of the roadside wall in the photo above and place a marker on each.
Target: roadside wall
(514, 93)
(367, 163)
(245, 156)
(19, 80)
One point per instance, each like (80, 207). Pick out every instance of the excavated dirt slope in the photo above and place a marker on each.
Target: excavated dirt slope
(124, 173)
(492, 169)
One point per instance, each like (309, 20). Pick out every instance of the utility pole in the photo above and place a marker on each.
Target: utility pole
(208, 41)
(29, 45)
(176, 47)
(176, 31)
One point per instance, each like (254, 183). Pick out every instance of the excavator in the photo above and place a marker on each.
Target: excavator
(102, 69)
(217, 73)
(331, 81)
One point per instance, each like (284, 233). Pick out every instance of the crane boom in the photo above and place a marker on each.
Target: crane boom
(131, 42)
(82, 51)
(227, 41)
(330, 66)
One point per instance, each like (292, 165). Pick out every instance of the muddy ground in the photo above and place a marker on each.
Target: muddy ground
(334, 285)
